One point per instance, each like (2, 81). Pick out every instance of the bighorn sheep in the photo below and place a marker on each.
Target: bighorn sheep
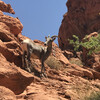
(30, 48)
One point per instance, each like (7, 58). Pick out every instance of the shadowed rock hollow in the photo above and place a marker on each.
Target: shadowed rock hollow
(66, 81)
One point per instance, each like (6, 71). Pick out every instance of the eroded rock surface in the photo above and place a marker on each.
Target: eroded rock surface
(13, 25)
(6, 7)
(6, 94)
(65, 81)
(13, 77)
(82, 18)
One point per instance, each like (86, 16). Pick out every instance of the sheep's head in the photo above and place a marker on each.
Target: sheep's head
(49, 39)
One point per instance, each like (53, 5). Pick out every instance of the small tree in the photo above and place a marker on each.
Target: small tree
(76, 44)
(92, 45)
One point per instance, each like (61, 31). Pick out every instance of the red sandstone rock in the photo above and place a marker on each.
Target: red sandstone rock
(78, 71)
(56, 52)
(94, 34)
(81, 19)
(15, 26)
(10, 47)
(13, 77)
(6, 7)
(68, 54)
(70, 82)
(6, 94)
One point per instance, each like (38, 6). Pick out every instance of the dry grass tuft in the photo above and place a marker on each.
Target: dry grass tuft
(54, 63)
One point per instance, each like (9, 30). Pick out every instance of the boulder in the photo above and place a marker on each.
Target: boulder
(13, 77)
(6, 7)
(14, 24)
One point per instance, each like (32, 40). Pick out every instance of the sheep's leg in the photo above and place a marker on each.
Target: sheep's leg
(27, 68)
(28, 61)
(43, 70)
(23, 60)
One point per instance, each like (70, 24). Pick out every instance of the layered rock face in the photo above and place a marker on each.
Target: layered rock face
(9, 29)
(64, 78)
(82, 18)
(10, 53)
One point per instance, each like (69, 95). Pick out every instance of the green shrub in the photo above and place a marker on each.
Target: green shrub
(92, 45)
(76, 44)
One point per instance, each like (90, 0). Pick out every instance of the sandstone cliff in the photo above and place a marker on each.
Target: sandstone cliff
(82, 18)
(66, 81)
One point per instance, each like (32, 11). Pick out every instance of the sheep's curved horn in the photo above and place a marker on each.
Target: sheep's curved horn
(54, 36)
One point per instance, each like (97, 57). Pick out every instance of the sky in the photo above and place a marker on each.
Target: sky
(40, 18)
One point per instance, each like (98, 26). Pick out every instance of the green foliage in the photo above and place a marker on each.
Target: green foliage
(92, 45)
(93, 96)
(76, 44)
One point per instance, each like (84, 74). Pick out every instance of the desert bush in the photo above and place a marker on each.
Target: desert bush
(92, 45)
(76, 61)
(75, 42)
(53, 63)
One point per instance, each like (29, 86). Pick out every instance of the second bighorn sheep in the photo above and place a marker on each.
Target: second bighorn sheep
(30, 48)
